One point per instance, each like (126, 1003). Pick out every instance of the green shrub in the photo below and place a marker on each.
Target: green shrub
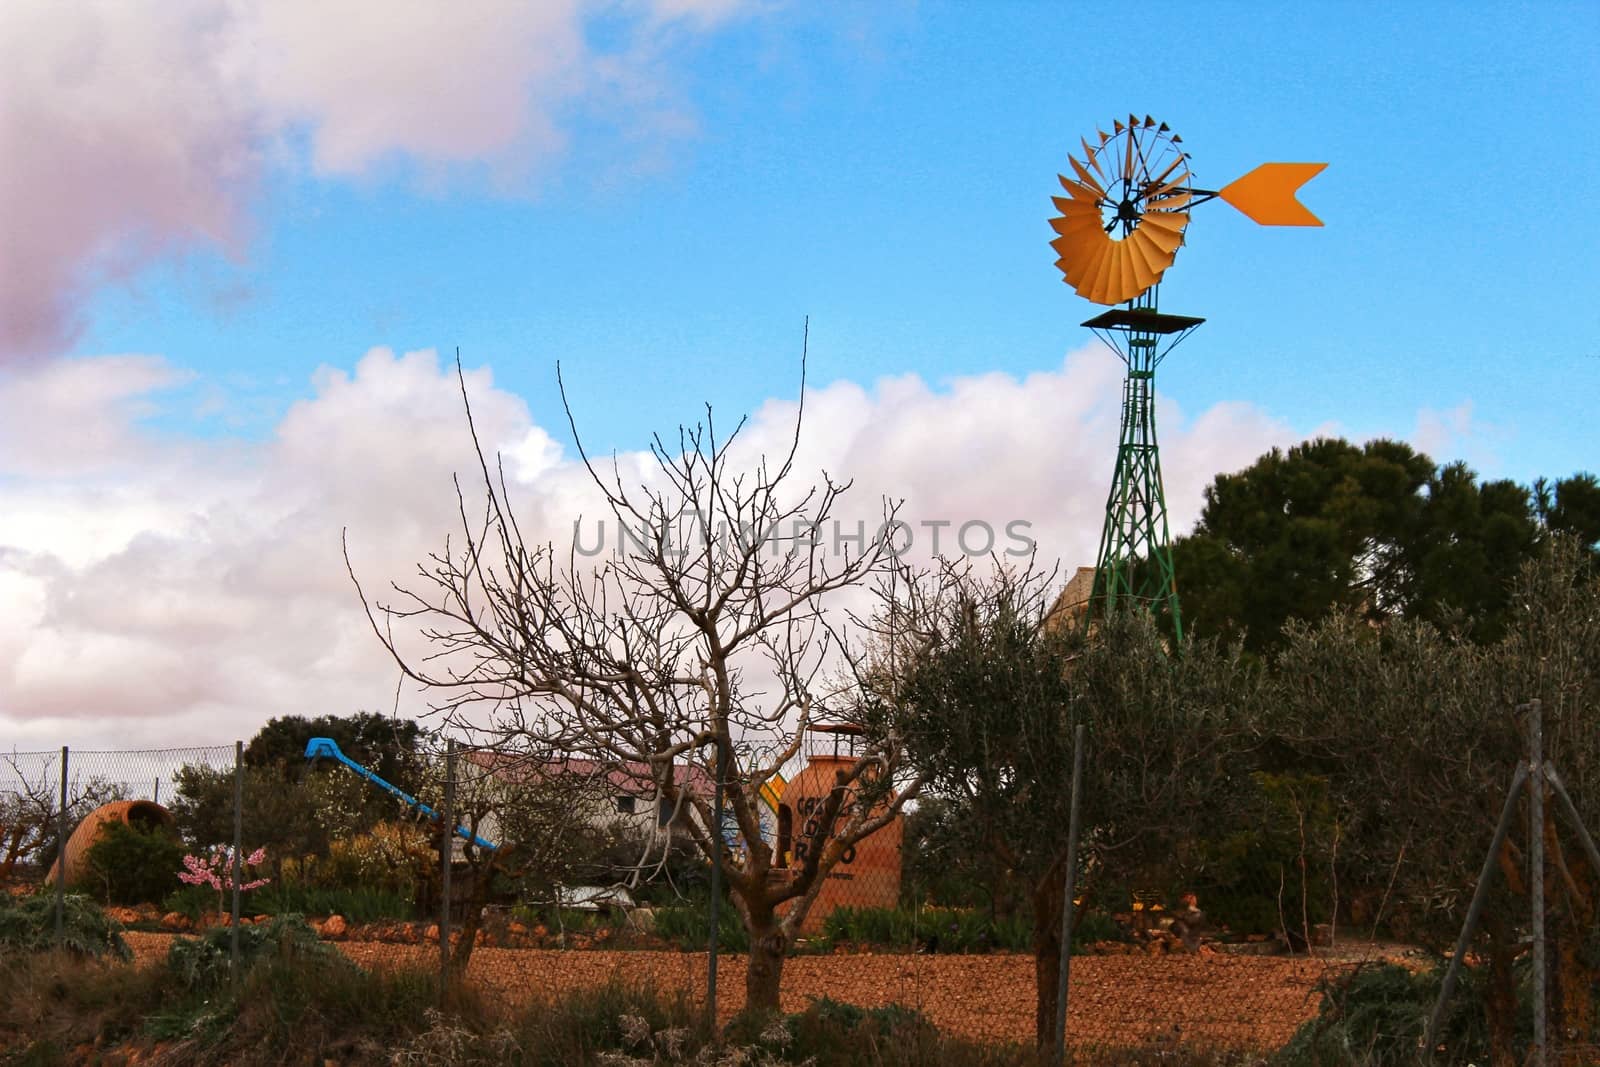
(29, 925)
(191, 901)
(688, 927)
(1096, 926)
(362, 905)
(1376, 1017)
(935, 929)
(1257, 883)
(202, 964)
(396, 858)
(132, 864)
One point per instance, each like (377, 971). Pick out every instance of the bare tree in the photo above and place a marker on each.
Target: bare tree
(701, 646)
(29, 812)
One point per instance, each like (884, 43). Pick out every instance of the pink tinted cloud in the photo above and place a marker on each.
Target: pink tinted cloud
(135, 132)
(122, 141)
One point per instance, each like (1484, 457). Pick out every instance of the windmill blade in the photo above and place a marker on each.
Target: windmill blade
(1266, 194)
(1077, 228)
(1164, 175)
(1168, 241)
(1075, 209)
(1146, 252)
(1088, 282)
(1080, 191)
(1083, 173)
(1165, 229)
(1175, 202)
(1176, 183)
(1127, 277)
(1105, 269)
(1135, 262)
(1088, 155)
(1171, 221)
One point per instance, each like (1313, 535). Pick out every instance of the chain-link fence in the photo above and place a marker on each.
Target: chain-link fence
(565, 875)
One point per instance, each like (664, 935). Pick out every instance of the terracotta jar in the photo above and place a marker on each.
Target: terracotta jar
(139, 813)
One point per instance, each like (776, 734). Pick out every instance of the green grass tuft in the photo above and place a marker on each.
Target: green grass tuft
(29, 925)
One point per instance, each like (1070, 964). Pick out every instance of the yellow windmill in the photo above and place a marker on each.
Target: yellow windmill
(1125, 215)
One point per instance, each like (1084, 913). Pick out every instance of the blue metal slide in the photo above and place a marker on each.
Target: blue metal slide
(327, 748)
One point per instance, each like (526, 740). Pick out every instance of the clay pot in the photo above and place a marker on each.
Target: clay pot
(140, 813)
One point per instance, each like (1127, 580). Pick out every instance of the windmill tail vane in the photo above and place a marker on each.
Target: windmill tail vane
(1266, 194)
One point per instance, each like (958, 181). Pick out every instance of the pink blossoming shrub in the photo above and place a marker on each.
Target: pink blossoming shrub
(215, 869)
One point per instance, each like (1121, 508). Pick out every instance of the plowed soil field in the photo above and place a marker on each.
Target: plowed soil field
(1253, 1002)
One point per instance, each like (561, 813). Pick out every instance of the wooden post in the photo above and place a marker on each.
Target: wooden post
(1066, 898)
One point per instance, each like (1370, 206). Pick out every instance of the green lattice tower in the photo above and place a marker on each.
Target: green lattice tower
(1134, 565)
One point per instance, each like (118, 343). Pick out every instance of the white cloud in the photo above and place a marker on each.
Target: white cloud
(75, 416)
(211, 592)
(135, 131)
(1457, 433)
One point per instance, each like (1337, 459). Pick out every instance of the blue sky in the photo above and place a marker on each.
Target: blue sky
(886, 171)
(241, 240)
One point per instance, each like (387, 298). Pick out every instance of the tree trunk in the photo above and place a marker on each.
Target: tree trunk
(1048, 896)
(1500, 999)
(1572, 988)
(13, 851)
(762, 977)
(471, 921)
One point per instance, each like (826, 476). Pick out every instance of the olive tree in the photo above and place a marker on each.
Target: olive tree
(987, 685)
(1417, 732)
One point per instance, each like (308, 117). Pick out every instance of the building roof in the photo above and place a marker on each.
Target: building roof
(628, 777)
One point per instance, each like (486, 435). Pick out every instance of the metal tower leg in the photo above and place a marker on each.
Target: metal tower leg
(1134, 565)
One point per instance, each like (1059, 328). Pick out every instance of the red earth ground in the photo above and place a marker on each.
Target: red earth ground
(1206, 1000)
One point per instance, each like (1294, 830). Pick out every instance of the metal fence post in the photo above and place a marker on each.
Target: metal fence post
(1480, 895)
(61, 857)
(238, 862)
(1571, 809)
(716, 893)
(1536, 862)
(1066, 896)
(446, 852)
